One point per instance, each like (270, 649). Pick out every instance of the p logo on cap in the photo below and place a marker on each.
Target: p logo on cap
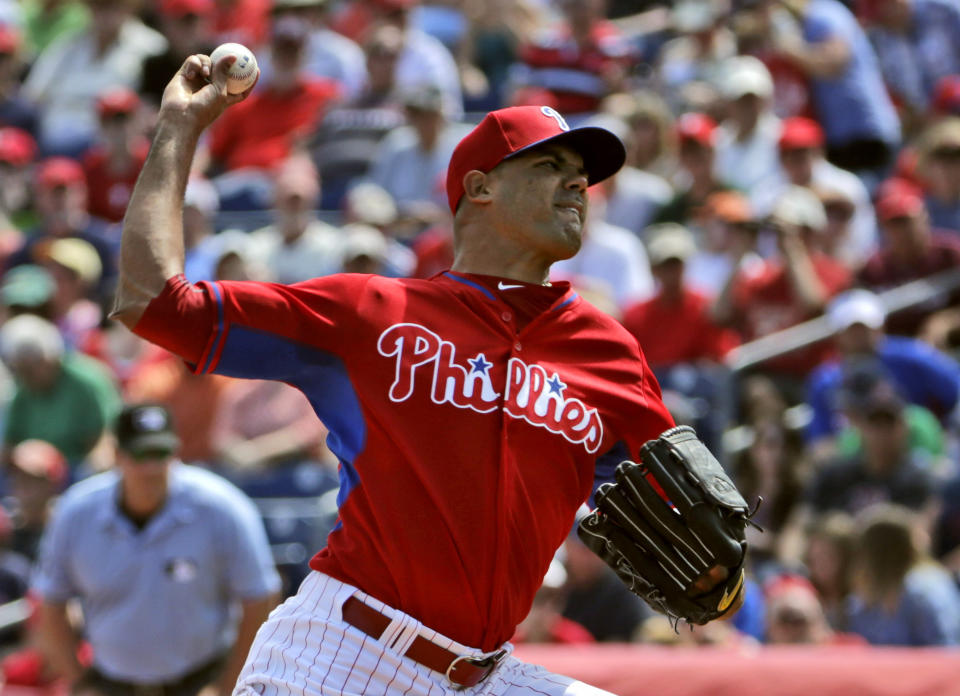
(555, 115)
(513, 130)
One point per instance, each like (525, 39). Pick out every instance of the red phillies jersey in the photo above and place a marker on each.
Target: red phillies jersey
(466, 440)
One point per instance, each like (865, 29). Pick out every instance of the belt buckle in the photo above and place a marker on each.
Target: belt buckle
(489, 662)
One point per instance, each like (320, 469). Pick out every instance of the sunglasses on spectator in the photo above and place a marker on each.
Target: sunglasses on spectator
(841, 212)
(150, 455)
(951, 152)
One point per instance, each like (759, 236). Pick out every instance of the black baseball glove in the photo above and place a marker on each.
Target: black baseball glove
(666, 522)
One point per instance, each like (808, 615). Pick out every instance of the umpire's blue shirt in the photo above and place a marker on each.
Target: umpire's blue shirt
(156, 602)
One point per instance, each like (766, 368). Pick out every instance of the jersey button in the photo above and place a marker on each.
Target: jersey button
(517, 346)
(506, 316)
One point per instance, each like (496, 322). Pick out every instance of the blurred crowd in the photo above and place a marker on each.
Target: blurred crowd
(788, 160)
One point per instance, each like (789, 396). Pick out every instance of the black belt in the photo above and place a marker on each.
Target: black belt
(463, 671)
(187, 685)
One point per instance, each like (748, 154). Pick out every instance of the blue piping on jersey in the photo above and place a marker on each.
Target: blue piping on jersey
(320, 375)
(605, 467)
(475, 286)
(563, 304)
(220, 325)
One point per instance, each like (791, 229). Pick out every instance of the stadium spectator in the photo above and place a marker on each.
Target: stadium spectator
(696, 179)
(245, 22)
(66, 399)
(153, 543)
(747, 137)
(838, 235)
(690, 62)
(60, 200)
(611, 261)
(651, 143)
(633, 196)
(793, 286)
(187, 26)
(911, 250)
(17, 152)
(28, 289)
(939, 164)
(369, 205)
(674, 326)
(861, 125)
(330, 55)
(917, 43)
(71, 73)
(827, 554)
(886, 469)
(15, 110)
(262, 425)
(257, 136)
(423, 59)
(728, 238)
(771, 465)
(112, 165)
(901, 596)
(802, 163)
(76, 269)
(923, 375)
(794, 615)
(412, 159)
(297, 246)
(36, 475)
(45, 22)
(578, 62)
(344, 144)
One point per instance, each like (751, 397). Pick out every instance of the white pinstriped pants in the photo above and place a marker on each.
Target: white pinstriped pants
(306, 649)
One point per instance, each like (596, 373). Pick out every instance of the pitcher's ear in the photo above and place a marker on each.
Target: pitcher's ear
(476, 187)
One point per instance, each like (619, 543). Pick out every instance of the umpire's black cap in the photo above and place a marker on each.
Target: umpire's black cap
(146, 428)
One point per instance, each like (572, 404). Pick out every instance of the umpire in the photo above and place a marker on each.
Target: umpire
(160, 556)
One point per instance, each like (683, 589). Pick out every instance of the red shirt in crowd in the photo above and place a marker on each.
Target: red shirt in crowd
(764, 303)
(884, 270)
(261, 131)
(109, 191)
(681, 332)
(577, 75)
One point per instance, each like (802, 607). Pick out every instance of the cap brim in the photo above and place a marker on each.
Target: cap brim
(603, 152)
(152, 442)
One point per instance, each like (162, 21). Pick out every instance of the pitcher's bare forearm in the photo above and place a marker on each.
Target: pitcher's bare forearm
(151, 249)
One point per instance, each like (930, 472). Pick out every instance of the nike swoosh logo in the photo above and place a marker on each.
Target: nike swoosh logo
(730, 594)
(504, 286)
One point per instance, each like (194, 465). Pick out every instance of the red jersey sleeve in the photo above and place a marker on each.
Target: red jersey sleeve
(197, 321)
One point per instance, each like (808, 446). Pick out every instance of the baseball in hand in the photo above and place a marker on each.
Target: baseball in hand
(243, 72)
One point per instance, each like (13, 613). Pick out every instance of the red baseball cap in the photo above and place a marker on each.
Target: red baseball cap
(119, 100)
(799, 132)
(9, 38)
(946, 96)
(17, 147)
(181, 8)
(507, 132)
(697, 127)
(899, 203)
(59, 171)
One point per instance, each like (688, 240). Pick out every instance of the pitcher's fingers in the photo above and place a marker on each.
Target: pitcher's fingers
(234, 98)
(711, 579)
(192, 67)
